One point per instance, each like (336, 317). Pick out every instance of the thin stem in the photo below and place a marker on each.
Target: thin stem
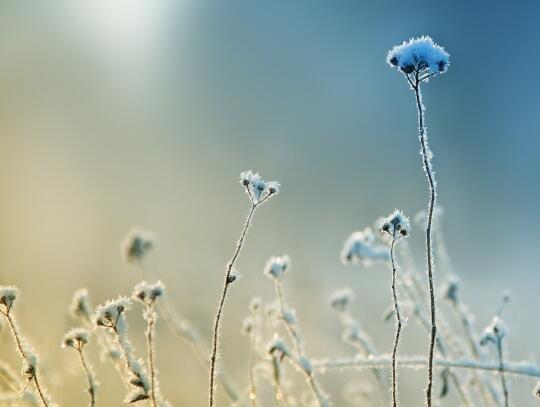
(252, 379)
(89, 377)
(150, 342)
(501, 371)
(32, 372)
(358, 362)
(226, 283)
(398, 325)
(426, 157)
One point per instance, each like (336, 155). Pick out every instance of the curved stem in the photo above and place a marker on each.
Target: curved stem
(226, 283)
(398, 326)
(426, 158)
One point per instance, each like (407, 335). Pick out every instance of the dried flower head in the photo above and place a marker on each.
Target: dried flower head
(80, 305)
(136, 244)
(148, 293)
(396, 225)
(278, 345)
(257, 188)
(360, 247)
(421, 55)
(277, 266)
(340, 299)
(8, 295)
(108, 314)
(76, 338)
(494, 332)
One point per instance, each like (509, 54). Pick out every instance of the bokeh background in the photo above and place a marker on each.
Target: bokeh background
(116, 113)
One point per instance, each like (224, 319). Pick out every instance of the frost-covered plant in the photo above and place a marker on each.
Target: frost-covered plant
(418, 60)
(360, 248)
(111, 317)
(397, 226)
(77, 338)
(136, 244)
(494, 333)
(249, 328)
(8, 296)
(148, 294)
(259, 191)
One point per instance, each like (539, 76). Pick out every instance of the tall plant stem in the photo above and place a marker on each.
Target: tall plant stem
(88, 372)
(426, 158)
(501, 371)
(398, 326)
(150, 341)
(227, 282)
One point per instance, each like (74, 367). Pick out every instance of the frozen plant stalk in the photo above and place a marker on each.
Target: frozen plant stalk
(396, 226)
(258, 191)
(419, 59)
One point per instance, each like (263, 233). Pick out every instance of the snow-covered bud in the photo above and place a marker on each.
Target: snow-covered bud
(277, 266)
(108, 314)
(257, 188)
(278, 345)
(420, 55)
(255, 304)
(396, 225)
(8, 295)
(340, 299)
(76, 338)
(136, 244)
(451, 289)
(360, 247)
(80, 307)
(494, 332)
(147, 293)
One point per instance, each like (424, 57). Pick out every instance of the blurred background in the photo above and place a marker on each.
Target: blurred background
(115, 113)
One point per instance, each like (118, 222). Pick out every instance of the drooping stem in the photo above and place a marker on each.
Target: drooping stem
(501, 371)
(89, 376)
(398, 326)
(426, 158)
(227, 282)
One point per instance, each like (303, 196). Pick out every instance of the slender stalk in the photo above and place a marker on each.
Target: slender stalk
(32, 371)
(150, 342)
(252, 378)
(515, 368)
(227, 282)
(89, 377)
(501, 371)
(426, 158)
(398, 325)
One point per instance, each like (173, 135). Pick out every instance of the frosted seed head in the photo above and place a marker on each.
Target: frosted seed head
(80, 307)
(494, 332)
(247, 325)
(536, 391)
(136, 244)
(257, 188)
(148, 293)
(277, 266)
(76, 338)
(305, 364)
(360, 248)
(277, 345)
(340, 299)
(421, 55)
(255, 304)
(8, 295)
(396, 225)
(289, 316)
(108, 314)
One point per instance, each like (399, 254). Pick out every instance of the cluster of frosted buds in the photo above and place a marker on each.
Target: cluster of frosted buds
(340, 299)
(136, 244)
(360, 247)
(420, 55)
(80, 307)
(8, 295)
(396, 225)
(109, 315)
(76, 338)
(278, 347)
(277, 266)
(451, 289)
(494, 332)
(148, 293)
(257, 188)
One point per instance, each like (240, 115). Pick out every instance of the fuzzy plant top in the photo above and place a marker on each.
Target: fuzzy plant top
(419, 54)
